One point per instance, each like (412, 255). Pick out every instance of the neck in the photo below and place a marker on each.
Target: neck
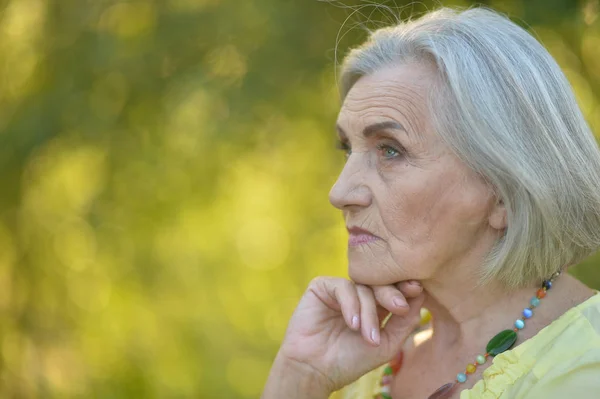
(460, 317)
(465, 319)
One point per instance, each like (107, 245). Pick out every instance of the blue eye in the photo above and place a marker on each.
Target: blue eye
(388, 152)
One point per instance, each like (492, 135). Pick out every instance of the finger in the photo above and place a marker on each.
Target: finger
(398, 328)
(410, 288)
(339, 294)
(369, 322)
(346, 295)
(391, 298)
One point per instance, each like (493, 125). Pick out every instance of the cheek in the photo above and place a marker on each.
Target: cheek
(408, 205)
(431, 217)
(463, 206)
(425, 201)
(405, 208)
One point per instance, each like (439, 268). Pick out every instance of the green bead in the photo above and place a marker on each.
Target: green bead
(385, 395)
(535, 302)
(501, 342)
(388, 371)
(480, 359)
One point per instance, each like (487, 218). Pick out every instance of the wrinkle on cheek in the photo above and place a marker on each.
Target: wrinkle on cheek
(370, 248)
(371, 225)
(442, 202)
(389, 269)
(409, 208)
(399, 219)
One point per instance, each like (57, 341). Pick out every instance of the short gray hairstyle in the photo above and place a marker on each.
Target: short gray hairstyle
(503, 105)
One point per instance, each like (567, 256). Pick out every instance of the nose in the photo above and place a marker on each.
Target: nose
(351, 189)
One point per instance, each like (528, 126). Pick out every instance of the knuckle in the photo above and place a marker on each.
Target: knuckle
(409, 289)
(364, 288)
(384, 290)
(317, 281)
(385, 295)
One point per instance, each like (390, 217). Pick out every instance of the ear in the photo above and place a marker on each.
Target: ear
(497, 217)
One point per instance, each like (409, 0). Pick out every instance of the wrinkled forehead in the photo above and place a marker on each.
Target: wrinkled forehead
(396, 93)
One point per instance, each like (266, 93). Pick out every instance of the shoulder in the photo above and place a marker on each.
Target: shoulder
(566, 356)
(562, 359)
(576, 377)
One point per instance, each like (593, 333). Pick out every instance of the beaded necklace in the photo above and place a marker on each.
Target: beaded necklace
(501, 342)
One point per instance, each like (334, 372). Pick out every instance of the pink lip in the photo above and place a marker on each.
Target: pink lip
(359, 239)
(358, 236)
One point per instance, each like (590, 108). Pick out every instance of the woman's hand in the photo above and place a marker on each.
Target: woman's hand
(333, 337)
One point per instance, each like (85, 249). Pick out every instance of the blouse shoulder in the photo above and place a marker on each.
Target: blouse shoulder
(562, 358)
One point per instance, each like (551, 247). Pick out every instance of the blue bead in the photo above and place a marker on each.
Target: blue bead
(535, 302)
(527, 313)
(520, 324)
(547, 284)
(461, 377)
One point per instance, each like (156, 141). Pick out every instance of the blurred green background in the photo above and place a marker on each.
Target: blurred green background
(164, 169)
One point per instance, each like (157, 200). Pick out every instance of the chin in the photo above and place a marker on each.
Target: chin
(376, 271)
(361, 274)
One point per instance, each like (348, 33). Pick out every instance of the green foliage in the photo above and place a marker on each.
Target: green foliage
(165, 167)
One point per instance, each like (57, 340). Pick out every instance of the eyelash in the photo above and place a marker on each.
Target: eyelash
(341, 145)
(384, 147)
(344, 146)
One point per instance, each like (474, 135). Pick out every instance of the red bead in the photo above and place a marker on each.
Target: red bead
(541, 293)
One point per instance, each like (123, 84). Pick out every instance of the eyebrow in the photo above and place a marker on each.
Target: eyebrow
(374, 128)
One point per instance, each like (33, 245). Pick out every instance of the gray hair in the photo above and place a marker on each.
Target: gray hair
(505, 108)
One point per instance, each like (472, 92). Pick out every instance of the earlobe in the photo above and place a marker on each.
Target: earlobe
(498, 216)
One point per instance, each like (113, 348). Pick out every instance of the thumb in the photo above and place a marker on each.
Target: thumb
(398, 328)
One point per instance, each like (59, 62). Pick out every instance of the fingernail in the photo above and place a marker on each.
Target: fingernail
(375, 336)
(399, 302)
(355, 321)
(415, 283)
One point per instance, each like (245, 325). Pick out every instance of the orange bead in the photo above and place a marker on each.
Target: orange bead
(396, 363)
(541, 293)
(471, 368)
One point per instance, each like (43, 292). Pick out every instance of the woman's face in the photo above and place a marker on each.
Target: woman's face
(401, 183)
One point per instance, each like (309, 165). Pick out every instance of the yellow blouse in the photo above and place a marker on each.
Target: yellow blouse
(561, 361)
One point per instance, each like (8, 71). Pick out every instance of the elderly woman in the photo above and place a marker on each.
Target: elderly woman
(472, 181)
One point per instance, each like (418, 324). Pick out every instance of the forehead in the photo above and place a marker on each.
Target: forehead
(398, 93)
